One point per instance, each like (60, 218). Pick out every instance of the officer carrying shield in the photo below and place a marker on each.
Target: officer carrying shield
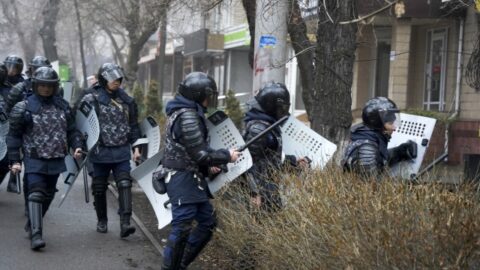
(118, 118)
(43, 126)
(14, 66)
(270, 104)
(367, 152)
(191, 160)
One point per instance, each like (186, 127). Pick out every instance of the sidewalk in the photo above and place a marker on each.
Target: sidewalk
(71, 237)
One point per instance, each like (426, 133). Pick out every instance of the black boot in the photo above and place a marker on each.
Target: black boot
(124, 186)
(177, 248)
(100, 203)
(191, 252)
(125, 202)
(35, 201)
(12, 184)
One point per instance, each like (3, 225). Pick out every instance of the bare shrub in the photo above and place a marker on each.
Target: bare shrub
(332, 220)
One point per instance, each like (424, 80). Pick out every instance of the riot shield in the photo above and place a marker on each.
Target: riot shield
(299, 140)
(418, 129)
(143, 175)
(87, 123)
(4, 126)
(68, 91)
(224, 134)
(150, 143)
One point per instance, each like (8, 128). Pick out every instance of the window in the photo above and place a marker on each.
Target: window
(435, 70)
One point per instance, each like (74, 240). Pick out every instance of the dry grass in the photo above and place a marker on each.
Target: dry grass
(332, 220)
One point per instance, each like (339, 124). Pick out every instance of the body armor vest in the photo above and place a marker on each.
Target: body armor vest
(114, 124)
(47, 137)
(176, 156)
(350, 158)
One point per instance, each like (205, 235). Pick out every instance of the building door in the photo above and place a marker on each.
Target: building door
(435, 65)
(382, 69)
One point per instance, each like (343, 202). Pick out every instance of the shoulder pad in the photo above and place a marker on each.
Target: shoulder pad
(124, 96)
(19, 108)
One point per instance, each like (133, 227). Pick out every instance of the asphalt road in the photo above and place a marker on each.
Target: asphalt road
(71, 237)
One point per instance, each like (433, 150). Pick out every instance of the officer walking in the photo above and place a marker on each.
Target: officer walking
(367, 153)
(191, 160)
(43, 126)
(270, 104)
(17, 93)
(118, 118)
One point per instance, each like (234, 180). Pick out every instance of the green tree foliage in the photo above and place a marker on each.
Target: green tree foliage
(153, 105)
(139, 99)
(233, 110)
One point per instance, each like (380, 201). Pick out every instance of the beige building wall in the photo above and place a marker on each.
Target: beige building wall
(366, 54)
(469, 98)
(401, 35)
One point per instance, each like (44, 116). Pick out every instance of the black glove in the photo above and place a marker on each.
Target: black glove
(407, 150)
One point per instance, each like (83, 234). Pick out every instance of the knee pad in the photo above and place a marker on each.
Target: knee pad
(99, 185)
(36, 196)
(125, 182)
(123, 177)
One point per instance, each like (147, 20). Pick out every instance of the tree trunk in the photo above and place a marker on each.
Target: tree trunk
(250, 7)
(330, 110)
(47, 32)
(297, 29)
(80, 39)
(161, 56)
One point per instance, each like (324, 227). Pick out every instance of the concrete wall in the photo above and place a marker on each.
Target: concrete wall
(470, 98)
(365, 54)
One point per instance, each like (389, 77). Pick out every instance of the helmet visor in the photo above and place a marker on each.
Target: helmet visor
(391, 116)
(13, 68)
(282, 109)
(212, 97)
(111, 75)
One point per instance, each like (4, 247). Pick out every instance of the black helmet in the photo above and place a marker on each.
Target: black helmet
(109, 72)
(380, 110)
(36, 62)
(14, 62)
(46, 76)
(198, 86)
(274, 99)
(3, 74)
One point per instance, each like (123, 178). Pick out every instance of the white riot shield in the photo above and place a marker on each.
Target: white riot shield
(87, 123)
(68, 91)
(4, 126)
(418, 129)
(224, 134)
(299, 140)
(150, 130)
(143, 175)
(3, 148)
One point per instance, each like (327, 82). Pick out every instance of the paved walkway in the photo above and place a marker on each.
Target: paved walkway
(71, 237)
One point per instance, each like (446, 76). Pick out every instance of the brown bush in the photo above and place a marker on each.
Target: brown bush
(332, 220)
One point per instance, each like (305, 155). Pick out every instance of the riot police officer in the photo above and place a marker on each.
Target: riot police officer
(118, 118)
(367, 152)
(14, 66)
(43, 126)
(17, 93)
(190, 159)
(270, 104)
